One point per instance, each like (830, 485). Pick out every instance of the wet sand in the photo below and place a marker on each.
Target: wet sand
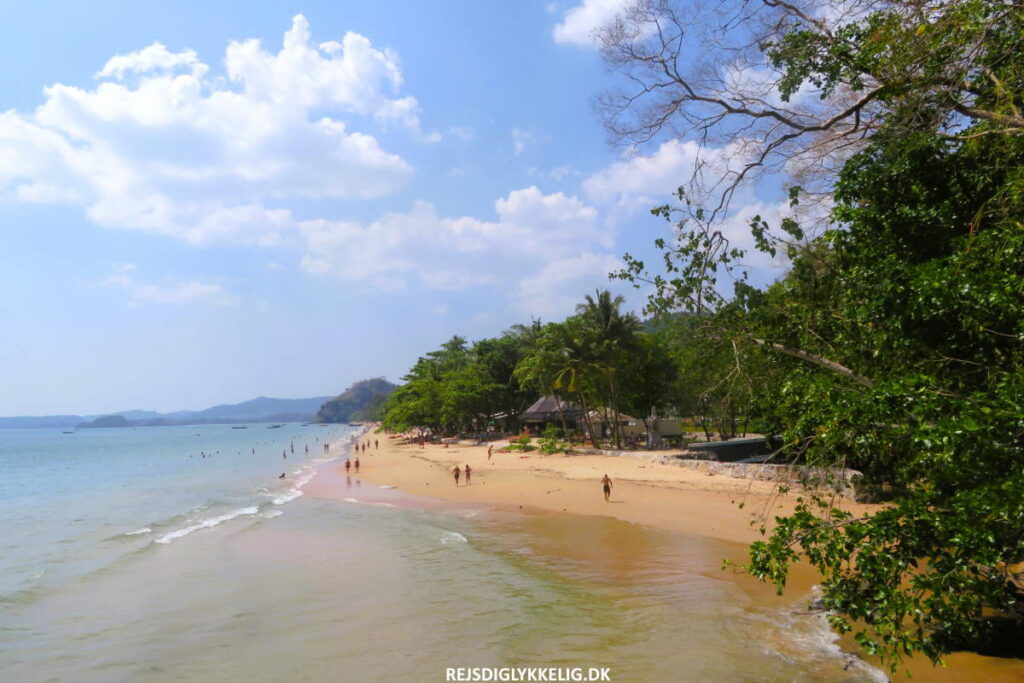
(645, 492)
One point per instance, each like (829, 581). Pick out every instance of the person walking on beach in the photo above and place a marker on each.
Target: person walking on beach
(376, 446)
(490, 449)
(357, 465)
(284, 454)
(606, 484)
(348, 465)
(457, 472)
(467, 474)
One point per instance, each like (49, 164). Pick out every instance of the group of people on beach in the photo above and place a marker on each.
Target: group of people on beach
(458, 472)
(359, 448)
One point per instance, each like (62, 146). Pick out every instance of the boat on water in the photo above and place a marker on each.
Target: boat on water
(239, 427)
(275, 426)
(70, 432)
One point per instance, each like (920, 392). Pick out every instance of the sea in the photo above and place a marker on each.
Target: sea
(180, 554)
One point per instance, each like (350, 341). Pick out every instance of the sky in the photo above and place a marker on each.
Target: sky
(201, 203)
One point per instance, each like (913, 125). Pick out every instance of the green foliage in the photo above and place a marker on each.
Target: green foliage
(895, 344)
(551, 442)
(521, 443)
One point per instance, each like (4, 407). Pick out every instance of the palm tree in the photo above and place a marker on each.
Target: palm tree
(610, 334)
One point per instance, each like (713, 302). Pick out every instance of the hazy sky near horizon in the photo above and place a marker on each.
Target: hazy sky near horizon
(202, 203)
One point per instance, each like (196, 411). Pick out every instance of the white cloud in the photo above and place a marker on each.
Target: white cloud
(421, 249)
(643, 181)
(156, 57)
(157, 145)
(463, 133)
(521, 139)
(184, 292)
(580, 23)
(561, 284)
(558, 173)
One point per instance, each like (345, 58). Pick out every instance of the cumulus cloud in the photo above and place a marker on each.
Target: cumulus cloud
(580, 23)
(557, 287)
(419, 248)
(644, 180)
(158, 145)
(181, 292)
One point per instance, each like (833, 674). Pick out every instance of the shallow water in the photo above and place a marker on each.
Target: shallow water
(231, 576)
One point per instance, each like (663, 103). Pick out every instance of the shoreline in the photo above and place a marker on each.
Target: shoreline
(644, 491)
(680, 500)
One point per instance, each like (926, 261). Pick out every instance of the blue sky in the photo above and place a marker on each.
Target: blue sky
(206, 202)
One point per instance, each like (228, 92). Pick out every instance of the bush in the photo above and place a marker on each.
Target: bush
(550, 442)
(520, 443)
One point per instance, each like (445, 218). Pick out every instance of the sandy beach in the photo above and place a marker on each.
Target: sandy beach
(721, 508)
(644, 491)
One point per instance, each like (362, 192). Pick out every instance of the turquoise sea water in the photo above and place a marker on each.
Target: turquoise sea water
(71, 504)
(125, 559)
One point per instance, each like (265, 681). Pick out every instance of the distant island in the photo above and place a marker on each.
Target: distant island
(261, 409)
(361, 401)
(107, 421)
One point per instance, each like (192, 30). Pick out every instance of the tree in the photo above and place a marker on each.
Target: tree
(895, 344)
(610, 336)
(647, 386)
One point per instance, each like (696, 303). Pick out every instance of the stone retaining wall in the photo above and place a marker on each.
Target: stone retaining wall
(841, 480)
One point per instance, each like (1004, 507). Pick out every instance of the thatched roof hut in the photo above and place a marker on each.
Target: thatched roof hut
(546, 409)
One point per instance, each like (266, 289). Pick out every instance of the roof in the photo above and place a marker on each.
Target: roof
(600, 414)
(546, 408)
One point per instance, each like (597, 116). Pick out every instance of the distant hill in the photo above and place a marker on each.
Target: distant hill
(361, 401)
(41, 422)
(107, 421)
(260, 409)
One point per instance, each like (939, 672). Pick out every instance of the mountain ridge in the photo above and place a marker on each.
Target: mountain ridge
(259, 409)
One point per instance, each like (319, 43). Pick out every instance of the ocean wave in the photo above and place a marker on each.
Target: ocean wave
(287, 497)
(270, 514)
(813, 637)
(207, 524)
(368, 502)
(137, 532)
(453, 537)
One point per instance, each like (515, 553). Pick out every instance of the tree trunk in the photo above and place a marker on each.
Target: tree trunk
(617, 430)
(586, 419)
(561, 416)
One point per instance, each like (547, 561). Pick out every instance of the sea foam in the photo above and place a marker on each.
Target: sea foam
(453, 537)
(207, 524)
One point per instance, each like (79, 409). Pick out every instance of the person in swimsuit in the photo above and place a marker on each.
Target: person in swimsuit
(376, 446)
(490, 449)
(357, 465)
(606, 483)
(348, 465)
(457, 472)
(467, 474)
